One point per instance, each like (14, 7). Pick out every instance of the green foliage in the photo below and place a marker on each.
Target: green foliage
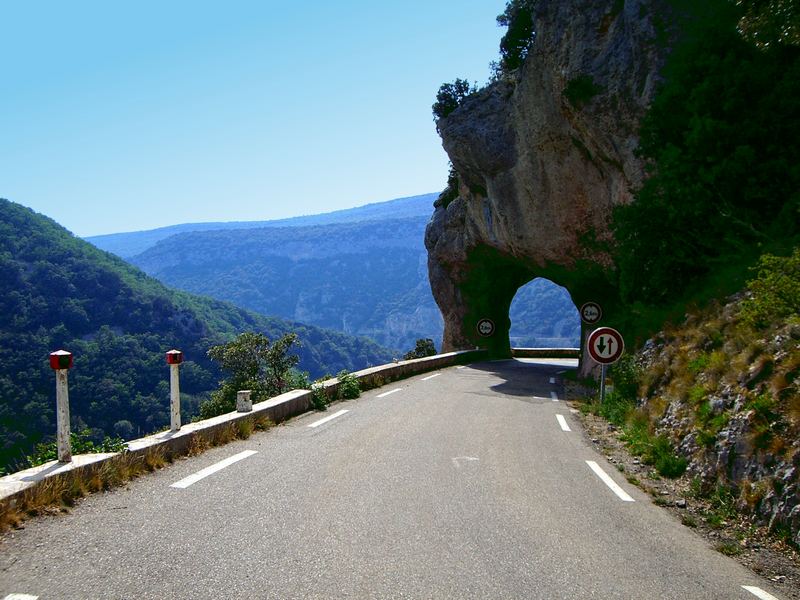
(626, 376)
(450, 96)
(81, 442)
(581, 90)
(58, 291)
(518, 38)
(424, 347)
(255, 364)
(775, 291)
(450, 192)
(722, 141)
(319, 399)
(349, 387)
(771, 22)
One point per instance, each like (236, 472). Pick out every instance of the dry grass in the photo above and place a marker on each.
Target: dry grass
(57, 494)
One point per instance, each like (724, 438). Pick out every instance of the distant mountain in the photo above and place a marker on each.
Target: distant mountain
(130, 244)
(365, 278)
(57, 291)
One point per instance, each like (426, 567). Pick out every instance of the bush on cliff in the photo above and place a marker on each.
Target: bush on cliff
(722, 145)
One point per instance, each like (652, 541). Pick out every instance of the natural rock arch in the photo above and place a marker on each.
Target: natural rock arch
(539, 172)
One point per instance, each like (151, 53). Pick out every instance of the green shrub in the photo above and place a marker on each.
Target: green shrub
(319, 399)
(349, 387)
(580, 90)
(518, 38)
(80, 442)
(775, 290)
(424, 347)
(450, 96)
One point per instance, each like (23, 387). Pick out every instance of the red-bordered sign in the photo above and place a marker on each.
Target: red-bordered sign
(485, 327)
(591, 313)
(605, 345)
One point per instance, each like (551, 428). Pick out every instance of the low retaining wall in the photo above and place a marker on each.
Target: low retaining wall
(179, 443)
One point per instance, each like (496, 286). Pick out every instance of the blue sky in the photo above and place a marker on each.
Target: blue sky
(125, 116)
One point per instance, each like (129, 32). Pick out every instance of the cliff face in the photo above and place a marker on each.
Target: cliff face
(542, 157)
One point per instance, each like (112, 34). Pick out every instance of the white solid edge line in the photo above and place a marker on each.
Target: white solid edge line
(389, 392)
(553, 396)
(609, 482)
(757, 591)
(552, 380)
(21, 597)
(329, 418)
(430, 377)
(203, 473)
(563, 422)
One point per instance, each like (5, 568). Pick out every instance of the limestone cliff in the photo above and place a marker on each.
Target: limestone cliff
(542, 156)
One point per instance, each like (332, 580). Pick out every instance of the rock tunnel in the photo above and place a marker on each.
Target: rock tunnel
(537, 174)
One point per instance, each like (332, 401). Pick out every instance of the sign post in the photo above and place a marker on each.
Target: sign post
(605, 345)
(61, 363)
(174, 360)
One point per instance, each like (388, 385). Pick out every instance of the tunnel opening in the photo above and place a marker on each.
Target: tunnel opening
(543, 315)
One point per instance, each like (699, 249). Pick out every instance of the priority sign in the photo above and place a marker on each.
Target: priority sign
(605, 345)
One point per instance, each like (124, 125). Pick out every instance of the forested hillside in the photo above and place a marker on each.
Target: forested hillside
(365, 278)
(57, 291)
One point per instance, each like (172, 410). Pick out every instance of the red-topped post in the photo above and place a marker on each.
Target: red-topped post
(174, 360)
(61, 363)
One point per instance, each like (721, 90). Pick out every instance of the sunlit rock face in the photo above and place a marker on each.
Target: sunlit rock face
(542, 157)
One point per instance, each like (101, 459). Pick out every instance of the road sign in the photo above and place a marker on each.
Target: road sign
(486, 327)
(591, 313)
(605, 345)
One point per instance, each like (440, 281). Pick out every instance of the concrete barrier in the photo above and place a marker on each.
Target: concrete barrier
(178, 443)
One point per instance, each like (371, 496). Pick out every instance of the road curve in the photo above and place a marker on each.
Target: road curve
(464, 483)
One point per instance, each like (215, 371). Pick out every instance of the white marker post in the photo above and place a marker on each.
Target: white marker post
(61, 363)
(174, 360)
(243, 401)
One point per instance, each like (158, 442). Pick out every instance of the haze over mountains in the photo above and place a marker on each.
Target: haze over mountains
(361, 271)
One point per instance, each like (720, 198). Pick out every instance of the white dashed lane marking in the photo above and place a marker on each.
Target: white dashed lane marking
(203, 473)
(430, 376)
(20, 597)
(329, 418)
(563, 422)
(605, 478)
(384, 394)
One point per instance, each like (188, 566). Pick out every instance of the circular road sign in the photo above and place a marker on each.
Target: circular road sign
(591, 313)
(486, 327)
(605, 345)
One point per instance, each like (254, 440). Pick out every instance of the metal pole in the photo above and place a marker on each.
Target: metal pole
(175, 397)
(602, 384)
(62, 416)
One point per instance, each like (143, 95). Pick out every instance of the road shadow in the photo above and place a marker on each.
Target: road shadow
(524, 378)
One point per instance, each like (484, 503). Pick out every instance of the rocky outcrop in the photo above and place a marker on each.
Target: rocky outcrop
(542, 157)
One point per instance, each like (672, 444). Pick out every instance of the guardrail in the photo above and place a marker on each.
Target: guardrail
(175, 443)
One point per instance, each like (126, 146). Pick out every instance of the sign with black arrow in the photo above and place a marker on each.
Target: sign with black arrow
(605, 345)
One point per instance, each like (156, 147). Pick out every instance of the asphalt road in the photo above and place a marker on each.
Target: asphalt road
(460, 485)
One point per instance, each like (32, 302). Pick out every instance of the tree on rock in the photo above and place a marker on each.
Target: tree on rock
(255, 364)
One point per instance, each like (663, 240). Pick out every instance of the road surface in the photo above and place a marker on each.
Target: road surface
(471, 482)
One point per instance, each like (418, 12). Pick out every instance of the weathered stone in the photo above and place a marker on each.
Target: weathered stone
(538, 174)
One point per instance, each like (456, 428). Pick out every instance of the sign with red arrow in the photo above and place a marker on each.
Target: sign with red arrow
(605, 345)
